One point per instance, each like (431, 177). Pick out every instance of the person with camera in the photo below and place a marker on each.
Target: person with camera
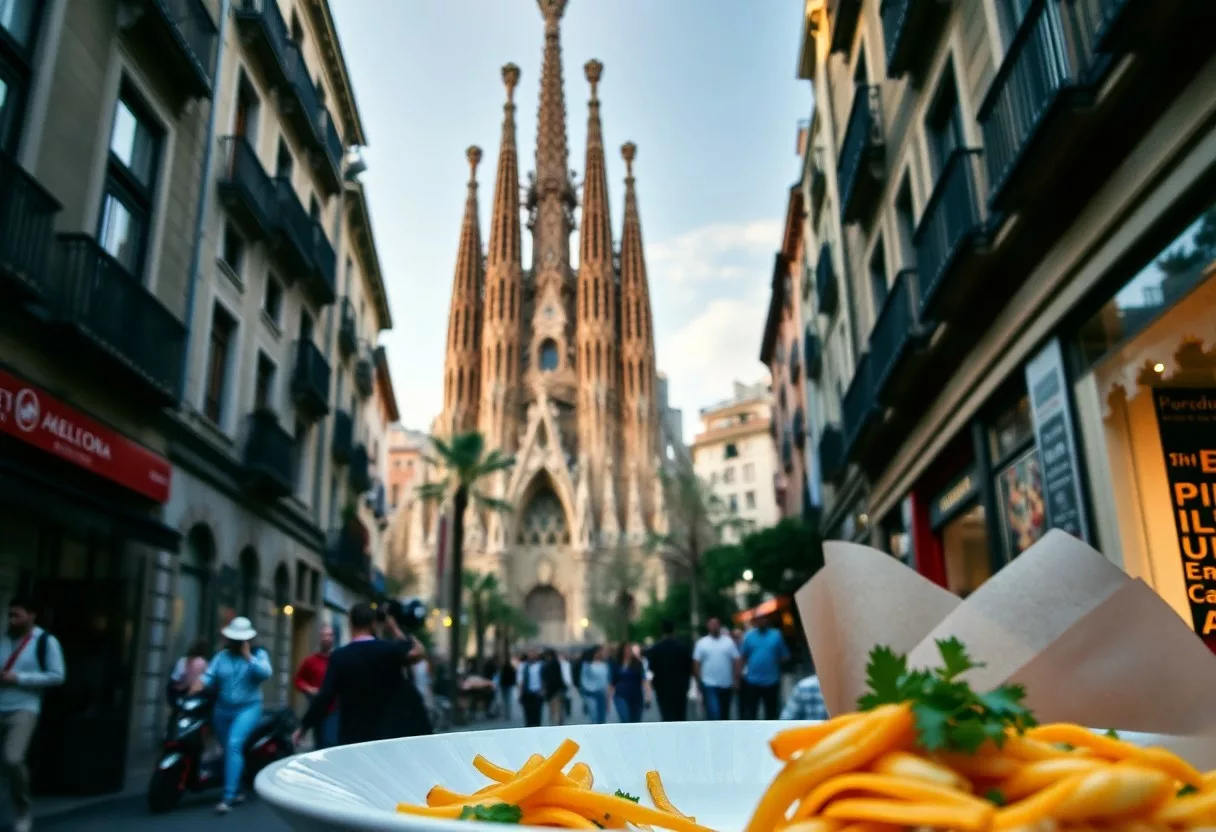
(369, 679)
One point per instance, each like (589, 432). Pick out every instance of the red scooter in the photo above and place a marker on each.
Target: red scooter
(182, 767)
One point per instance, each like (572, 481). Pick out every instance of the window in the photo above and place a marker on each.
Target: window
(283, 163)
(548, 355)
(306, 325)
(861, 72)
(878, 277)
(222, 327)
(272, 303)
(731, 450)
(314, 207)
(733, 502)
(1011, 14)
(233, 251)
(728, 476)
(263, 391)
(394, 494)
(126, 207)
(297, 31)
(19, 20)
(247, 108)
(944, 124)
(749, 499)
(905, 224)
(749, 472)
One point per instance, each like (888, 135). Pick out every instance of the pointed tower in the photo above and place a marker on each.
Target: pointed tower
(638, 406)
(596, 305)
(501, 325)
(551, 202)
(461, 379)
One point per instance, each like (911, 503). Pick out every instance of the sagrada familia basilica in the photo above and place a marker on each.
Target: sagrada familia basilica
(554, 364)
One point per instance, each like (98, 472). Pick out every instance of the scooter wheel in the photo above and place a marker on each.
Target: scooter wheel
(164, 790)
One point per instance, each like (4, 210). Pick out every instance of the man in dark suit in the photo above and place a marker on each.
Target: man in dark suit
(370, 681)
(670, 663)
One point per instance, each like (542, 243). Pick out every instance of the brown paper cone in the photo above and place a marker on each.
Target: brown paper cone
(1131, 663)
(862, 598)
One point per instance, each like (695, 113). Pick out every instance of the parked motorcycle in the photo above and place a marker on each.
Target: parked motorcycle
(182, 767)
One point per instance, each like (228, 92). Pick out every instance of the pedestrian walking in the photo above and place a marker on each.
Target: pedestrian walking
(507, 679)
(309, 676)
(716, 665)
(368, 679)
(806, 702)
(32, 662)
(762, 653)
(554, 676)
(236, 674)
(596, 678)
(532, 689)
(630, 690)
(670, 661)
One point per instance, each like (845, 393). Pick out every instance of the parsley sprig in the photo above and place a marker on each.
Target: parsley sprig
(494, 813)
(627, 796)
(950, 716)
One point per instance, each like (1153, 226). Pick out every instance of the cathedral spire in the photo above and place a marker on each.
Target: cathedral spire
(639, 410)
(461, 377)
(501, 328)
(595, 304)
(552, 153)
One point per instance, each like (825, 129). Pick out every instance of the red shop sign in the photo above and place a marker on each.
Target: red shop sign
(39, 419)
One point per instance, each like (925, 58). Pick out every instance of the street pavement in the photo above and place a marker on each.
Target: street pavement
(197, 812)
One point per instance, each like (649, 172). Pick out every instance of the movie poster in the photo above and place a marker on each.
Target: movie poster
(1023, 512)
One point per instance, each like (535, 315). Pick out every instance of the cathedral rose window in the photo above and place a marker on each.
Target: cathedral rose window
(548, 355)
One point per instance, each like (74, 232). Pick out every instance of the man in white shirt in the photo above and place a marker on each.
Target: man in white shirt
(715, 662)
(31, 661)
(532, 689)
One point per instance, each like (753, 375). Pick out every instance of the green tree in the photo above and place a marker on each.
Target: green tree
(721, 568)
(482, 593)
(783, 557)
(462, 464)
(696, 517)
(510, 623)
(616, 583)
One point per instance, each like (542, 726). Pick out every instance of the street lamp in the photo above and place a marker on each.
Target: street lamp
(748, 575)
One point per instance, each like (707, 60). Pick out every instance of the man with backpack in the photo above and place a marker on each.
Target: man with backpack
(31, 661)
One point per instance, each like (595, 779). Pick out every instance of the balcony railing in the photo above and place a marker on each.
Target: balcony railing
(269, 455)
(348, 334)
(813, 348)
(310, 381)
(99, 300)
(896, 331)
(799, 428)
(27, 219)
(346, 556)
(330, 137)
(360, 470)
(307, 110)
(843, 16)
(344, 437)
(266, 35)
(320, 281)
(826, 291)
(859, 410)
(819, 183)
(832, 460)
(952, 220)
(295, 230)
(189, 38)
(905, 31)
(365, 379)
(245, 187)
(1040, 66)
(859, 169)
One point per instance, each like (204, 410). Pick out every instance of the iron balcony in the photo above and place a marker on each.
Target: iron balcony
(827, 292)
(265, 34)
(860, 411)
(110, 317)
(269, 456)
(294, 229)
(365, 377)
(346, 556)
(344, 437)
(348, 334)
(813, 348)
(27, 219)
(859, 169)
(245, 188)
(897, 334)
(185, 39)
(844, 16)
(950, 233)
(832, 461)
(310, 381)
(320, 280)
(360, 470)
(909, 32)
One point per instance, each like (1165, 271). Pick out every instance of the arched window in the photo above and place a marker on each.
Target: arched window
(498, 361)
(548, 355)
(599, 364)
(501, 286)
(249, 584)
(193, 610)
(597, 299)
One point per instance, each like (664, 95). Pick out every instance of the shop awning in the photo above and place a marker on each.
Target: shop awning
(30, 491)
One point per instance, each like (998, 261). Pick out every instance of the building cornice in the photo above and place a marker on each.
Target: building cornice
(385, 379)
(335, 62)
(361, 234)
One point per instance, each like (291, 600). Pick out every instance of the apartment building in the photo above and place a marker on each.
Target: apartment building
(733, 452)
(406, 449)
(1015, 200)
(104, 110)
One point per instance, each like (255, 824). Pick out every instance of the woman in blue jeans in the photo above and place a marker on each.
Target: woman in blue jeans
(236, 674)
(629, 687)
(594, 682)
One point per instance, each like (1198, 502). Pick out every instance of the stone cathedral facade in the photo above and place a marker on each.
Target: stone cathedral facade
(554, 363)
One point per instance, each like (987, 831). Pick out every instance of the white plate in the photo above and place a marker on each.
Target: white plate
(715, 771)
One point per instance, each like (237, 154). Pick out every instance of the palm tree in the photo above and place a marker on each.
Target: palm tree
(482, 592)
(463, 463)
(696, 517)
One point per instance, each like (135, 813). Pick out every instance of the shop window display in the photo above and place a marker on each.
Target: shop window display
(965, 543)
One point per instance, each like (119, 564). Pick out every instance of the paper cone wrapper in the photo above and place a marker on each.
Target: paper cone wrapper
(1091, 645)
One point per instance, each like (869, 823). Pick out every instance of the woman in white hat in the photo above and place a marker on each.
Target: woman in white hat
(236, 674)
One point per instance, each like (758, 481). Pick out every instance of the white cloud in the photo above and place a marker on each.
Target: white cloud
(712, 253)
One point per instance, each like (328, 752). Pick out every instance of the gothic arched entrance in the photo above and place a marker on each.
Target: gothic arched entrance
(547, 607)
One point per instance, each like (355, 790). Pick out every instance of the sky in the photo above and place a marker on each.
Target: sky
(705, 88)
